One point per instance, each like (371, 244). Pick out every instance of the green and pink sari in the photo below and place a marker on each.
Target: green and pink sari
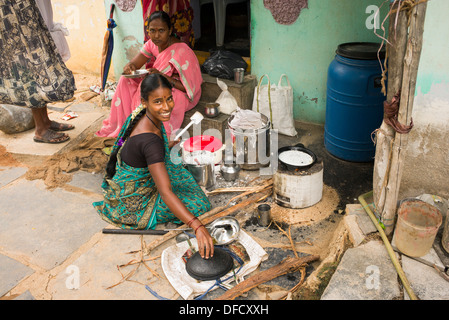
(131, 199)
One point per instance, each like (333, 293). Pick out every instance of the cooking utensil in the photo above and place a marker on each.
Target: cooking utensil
(251, 145)
(209, 269)
(211, 110)
(203, 174)
(194, 119)
(137, 74)
(239, 73)
(309, 159)
(230, 171)
(202, 147)
(264, 214)
(224, 230)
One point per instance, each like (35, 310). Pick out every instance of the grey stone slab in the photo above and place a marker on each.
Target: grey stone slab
(363, 219)
(88, 181)
(25, 296)
(83, 107)
(364, 273)
(59, 106)
(45, 225)
(92, 274)
(430, 258)
(425, 281)
(8, 175)
(11, 273)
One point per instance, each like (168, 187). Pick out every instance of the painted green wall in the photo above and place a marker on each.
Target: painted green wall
(433, 65)
(428, 141)
(128, 35)
(304, 49)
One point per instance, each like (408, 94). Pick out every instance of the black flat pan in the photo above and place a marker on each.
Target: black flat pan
(299, 147)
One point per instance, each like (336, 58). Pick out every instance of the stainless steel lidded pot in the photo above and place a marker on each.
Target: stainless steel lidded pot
(250, 138)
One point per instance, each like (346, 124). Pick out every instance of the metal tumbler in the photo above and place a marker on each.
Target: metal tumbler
(264, 214)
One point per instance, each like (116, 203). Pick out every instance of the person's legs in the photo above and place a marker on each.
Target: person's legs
(45, 128)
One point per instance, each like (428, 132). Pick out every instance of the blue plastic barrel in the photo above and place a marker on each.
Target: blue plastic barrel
(354, 104)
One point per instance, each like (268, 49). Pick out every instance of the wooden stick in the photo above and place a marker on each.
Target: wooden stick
(289, 236)
(207, 218)
(288, 265)
(234, 189)
(292, 290)
(267, 184)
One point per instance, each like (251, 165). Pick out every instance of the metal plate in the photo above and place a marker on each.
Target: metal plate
(137, 74)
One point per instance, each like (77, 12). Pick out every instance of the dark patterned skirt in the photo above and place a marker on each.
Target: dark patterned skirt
(32, 72)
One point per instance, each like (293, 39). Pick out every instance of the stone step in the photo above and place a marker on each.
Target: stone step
(209, 126)
(243, 93)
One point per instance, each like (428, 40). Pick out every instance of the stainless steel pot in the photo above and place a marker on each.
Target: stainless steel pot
(251, 146)
(230, 171)
(203, 174)
(212, 110)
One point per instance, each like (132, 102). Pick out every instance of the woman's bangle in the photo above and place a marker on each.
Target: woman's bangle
(201, 225)
(191, 220)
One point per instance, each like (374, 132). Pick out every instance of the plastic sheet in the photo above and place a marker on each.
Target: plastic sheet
(188, 287)
(221, 64)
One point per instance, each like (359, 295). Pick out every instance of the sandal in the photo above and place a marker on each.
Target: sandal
(51, 136)
(56, 126)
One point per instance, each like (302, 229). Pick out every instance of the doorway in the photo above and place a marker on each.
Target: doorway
(237, 36)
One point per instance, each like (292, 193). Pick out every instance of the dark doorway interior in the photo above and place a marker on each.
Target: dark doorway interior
(237, 30)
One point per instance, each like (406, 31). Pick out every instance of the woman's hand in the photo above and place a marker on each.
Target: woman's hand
(172, 143)
(153, 70)
(129, 68)
(205, 242)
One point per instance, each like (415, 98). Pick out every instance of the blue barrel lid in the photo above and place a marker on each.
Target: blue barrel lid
(361, 50)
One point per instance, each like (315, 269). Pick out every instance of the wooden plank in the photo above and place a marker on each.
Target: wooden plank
(287, 266)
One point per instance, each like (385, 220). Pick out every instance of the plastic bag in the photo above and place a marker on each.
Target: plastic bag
(247, 119)
(226, 100)
(221, 64)
(276, 102)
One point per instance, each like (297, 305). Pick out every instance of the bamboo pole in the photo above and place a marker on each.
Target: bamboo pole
(411, 63)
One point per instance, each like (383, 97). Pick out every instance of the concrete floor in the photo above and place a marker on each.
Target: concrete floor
(48, 235)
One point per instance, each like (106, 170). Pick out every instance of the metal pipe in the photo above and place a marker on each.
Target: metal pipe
(134, 231)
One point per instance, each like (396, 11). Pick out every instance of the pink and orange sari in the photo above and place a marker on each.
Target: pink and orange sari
(177, 60)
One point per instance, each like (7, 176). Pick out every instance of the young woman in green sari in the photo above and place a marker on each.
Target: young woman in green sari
(143, 186)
